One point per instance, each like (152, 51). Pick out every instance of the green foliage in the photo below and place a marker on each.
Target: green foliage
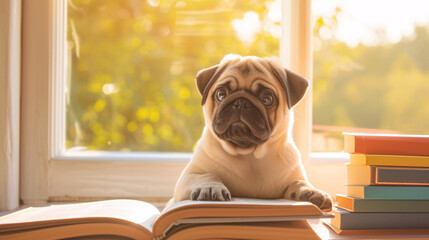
(133, 65)
(382, 87)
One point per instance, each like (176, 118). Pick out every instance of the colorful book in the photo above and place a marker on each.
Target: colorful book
(353, 204)
(384, 175)
(347, 220)
(389, 192)
(378, 234)
(389, 160)
(132, 219)
(389, 144)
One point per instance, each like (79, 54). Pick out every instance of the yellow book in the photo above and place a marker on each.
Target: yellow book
(386, 175)
(389, 160)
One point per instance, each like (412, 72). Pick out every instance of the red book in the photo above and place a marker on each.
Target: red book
(386, 144)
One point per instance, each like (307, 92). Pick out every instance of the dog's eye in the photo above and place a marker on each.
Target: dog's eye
(221, 94)
(267, 99)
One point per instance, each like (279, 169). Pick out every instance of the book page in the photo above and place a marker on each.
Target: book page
(241, 209)
(297, 230)
(237, 203)
(133, 211)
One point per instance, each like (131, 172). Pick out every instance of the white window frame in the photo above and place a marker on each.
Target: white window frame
(48, 173)
(10, 62)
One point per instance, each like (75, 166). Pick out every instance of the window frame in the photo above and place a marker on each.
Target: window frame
(48, 173)
(10, 41)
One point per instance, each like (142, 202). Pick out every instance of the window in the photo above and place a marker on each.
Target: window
(133, 65)
(371, 69)
(49, 172)
(377, 82)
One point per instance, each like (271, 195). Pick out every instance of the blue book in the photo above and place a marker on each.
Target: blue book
(345, 220)
(389, 192)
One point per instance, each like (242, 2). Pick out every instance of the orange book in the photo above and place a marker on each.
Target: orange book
(386, 144)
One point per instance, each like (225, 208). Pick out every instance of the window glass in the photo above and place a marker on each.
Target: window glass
(371, 69)
(132, 65)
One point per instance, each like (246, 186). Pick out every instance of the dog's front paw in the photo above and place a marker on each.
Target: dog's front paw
(315, 196)
(215, 192)
(301, 191)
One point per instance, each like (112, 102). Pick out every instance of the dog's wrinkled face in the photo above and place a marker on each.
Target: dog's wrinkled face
(242, 115)
(245, 97)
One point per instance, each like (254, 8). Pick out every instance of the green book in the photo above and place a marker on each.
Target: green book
(353, 204)
(389, 192)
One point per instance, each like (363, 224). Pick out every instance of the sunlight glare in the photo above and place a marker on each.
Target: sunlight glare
(153, 3)
(247, 27)
(274, 12)
(374, 22)
(110, 88)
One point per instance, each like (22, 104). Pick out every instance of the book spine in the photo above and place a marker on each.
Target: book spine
(389, 192)
(391, 145)
(389, 160)
(401, 176)
(382, 175)
(345, 220)
(369, 205)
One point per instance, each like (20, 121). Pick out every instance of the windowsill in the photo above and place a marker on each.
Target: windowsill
(104, 175)
(172, 156)
(339, 157)
(125, 156)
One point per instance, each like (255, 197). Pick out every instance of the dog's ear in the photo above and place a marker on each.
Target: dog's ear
(205, 79)
(295, 85)
(296, 88)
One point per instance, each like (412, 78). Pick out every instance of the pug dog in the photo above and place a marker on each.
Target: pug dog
(246, 148)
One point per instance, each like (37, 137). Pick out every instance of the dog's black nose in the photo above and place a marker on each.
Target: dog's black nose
(242, 103)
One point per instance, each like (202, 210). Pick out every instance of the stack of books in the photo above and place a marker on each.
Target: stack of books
(387, 184)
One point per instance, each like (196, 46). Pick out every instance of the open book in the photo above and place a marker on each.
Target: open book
(132, 219)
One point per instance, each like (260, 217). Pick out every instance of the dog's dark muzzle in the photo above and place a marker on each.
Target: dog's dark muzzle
(242, 120)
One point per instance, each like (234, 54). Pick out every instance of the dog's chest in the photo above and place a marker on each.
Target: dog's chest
(256, 178)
